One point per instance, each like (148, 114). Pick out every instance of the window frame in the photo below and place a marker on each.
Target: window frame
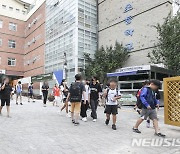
(12, 61)
(12, 26)
(10, 45)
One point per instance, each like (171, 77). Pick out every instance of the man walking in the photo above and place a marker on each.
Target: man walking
(112, 94)
(76, 91)
(19, 92)
(95, 90)
(149, 104)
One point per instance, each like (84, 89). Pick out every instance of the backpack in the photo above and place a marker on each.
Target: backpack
(108, 92)
(139, 103)
(76, 92)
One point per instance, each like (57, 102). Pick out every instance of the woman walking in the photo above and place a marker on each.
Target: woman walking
(56, 93)
(45, 89)
(65, 90)
(5, 91)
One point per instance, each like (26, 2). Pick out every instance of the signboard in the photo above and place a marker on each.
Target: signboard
(134, 68)
(2, 72)
(43, 77)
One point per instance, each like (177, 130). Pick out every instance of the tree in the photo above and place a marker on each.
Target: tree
(167, 49)
(105, 61)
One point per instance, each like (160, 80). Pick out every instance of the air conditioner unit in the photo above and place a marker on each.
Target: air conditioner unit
(28, 43)
(29, 26)
(35, 20)
(34, 40)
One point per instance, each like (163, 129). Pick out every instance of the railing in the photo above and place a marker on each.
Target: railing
(172, 101)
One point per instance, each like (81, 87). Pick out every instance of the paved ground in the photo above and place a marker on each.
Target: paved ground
(34, 129)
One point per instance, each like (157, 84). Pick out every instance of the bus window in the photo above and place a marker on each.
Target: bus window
(137, 85)
(125, 86)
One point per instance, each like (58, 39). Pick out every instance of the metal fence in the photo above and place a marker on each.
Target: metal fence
(172, 101)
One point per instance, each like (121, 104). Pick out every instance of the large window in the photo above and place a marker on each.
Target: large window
(12, 44)
(11, 61)
(1, 23)
(12, 26)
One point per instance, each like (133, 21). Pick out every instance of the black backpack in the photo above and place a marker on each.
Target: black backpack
(76, 92)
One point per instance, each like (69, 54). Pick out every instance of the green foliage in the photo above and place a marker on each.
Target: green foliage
(167, 49)
(105, 61)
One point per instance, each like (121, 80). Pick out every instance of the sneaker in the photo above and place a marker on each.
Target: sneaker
(94, 120)
(84, 119)
(16, 103)
(21, 103)
(114, 127)
(73, 121)
(28, 101)
(8, 116)
(159, 135)
(76, 123)
(33, 101)
(107, 122)
(68, 115)
(44, 105)
(136, 130)
(148, 123)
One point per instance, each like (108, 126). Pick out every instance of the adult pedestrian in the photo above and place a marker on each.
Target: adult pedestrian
(45, 89)
(85, 102)
(56, 93)
(95, 90)
(5, 91)
(64, 89)
(76, 91)
(31, 92)
(19, 93)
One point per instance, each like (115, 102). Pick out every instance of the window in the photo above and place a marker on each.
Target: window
(11, 8)
(4, 6)
(1, 23)
(17, 10)
(23, 12)
(0, 42)
(11, 62)
(12, 26)
(12, 44)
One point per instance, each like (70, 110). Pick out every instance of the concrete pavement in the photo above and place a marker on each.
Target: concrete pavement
(34, 129)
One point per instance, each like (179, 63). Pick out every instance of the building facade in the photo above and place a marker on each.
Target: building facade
(131, 23)
(71, 31)
(22, 38)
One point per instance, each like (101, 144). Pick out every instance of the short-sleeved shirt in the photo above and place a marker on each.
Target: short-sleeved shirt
(45, 88)
(30, 89)
(6, 92)
(56, 91)
(87, 92)
(95, 90)
(111, 94)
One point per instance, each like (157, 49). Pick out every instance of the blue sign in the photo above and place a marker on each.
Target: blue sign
(129, 46)
(128, 20)
(128, 8)
(129, 32)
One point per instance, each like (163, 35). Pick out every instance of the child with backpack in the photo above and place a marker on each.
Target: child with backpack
(112, 95)
(149, 104)
(76, 91)
(19, 93)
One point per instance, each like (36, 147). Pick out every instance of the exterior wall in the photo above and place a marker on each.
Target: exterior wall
(34, 50)
(29, 56)
(18, 51)
(144, 36)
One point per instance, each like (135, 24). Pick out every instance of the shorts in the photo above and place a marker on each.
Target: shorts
(57, 98)
(5, 101)
(19, 94)
(30, 95)
(111, 109)
(75, 107)
(152, 114)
